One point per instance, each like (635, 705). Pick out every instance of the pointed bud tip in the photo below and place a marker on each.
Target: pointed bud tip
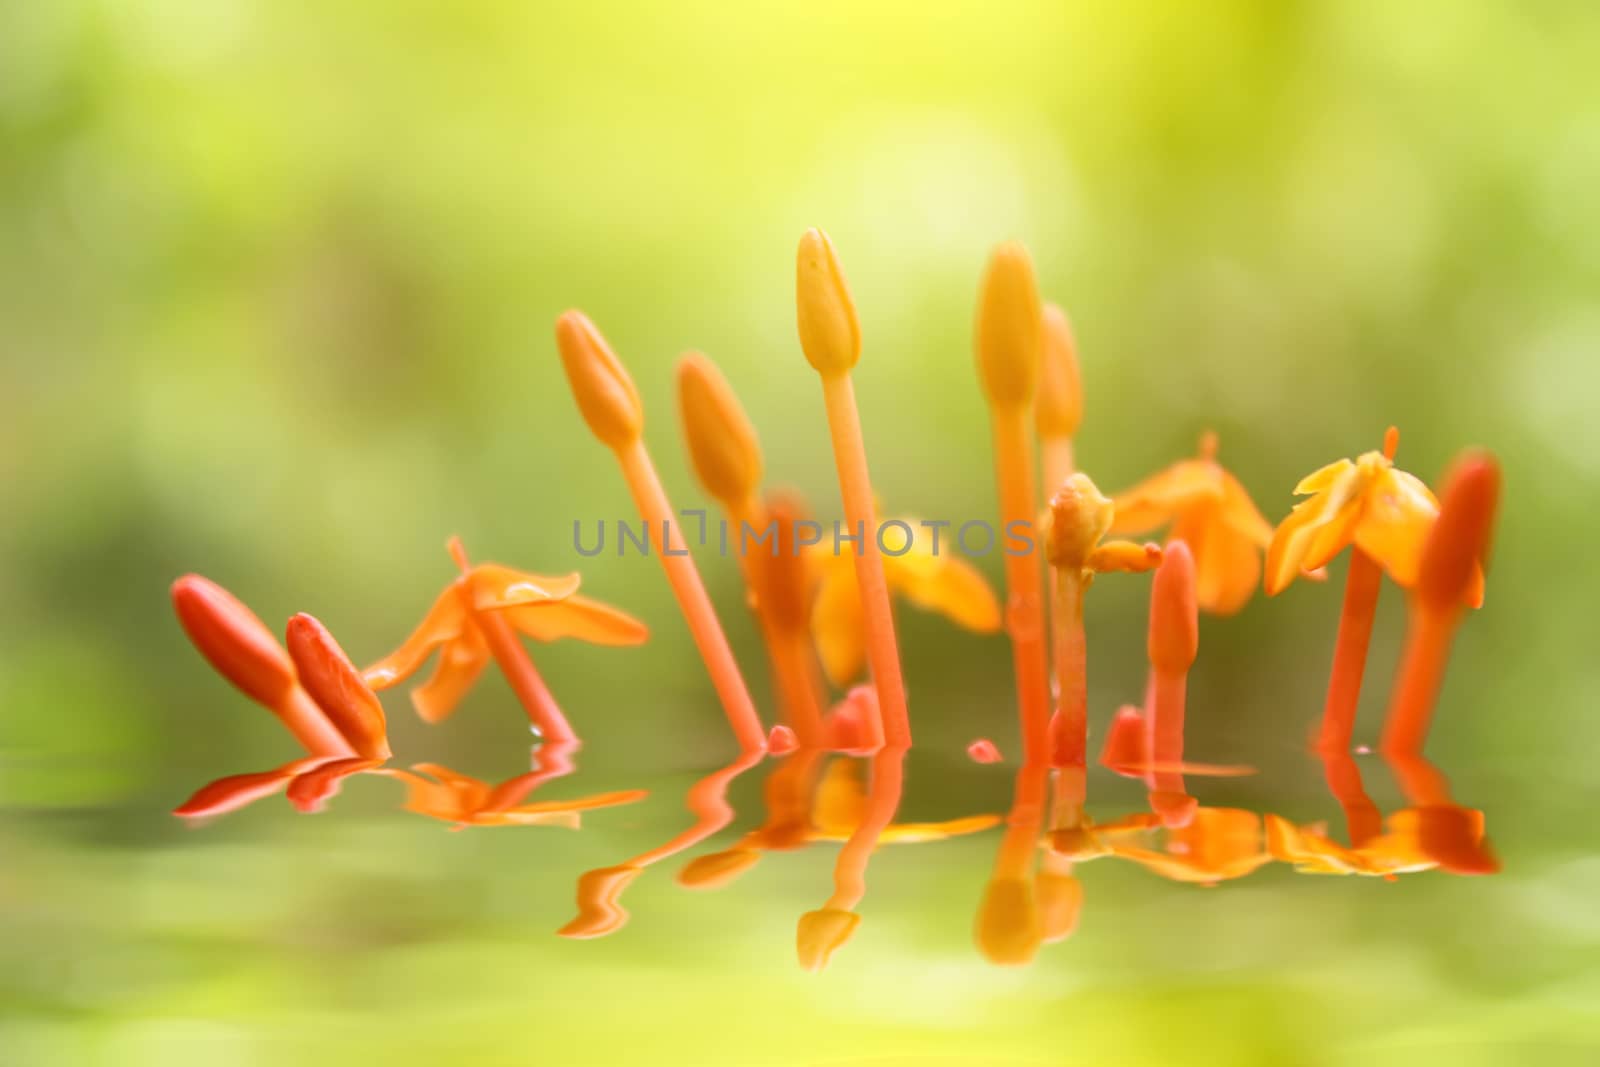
(600, 383)
(1058, 404)
(830, 333)
(233, 640)
(722, 442)
(1174, 637)
(1009, 327)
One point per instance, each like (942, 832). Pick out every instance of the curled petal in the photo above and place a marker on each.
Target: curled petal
(240, 790)
(494, 585)
(580, 618)
(1290, 552)
(1399, 512)
(1227, 564)
(460, 664)
(1159, 498)
(443, 623)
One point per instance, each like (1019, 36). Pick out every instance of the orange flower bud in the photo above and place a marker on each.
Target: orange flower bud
(1460, 538)
(722, 443)
(779, 573)
(830, 334)
(1174, 637)
(822, 933)
(605, 393)
(1009, 929)
(1058, 407)
(1078, 518)
(336, 686)
(233, 640)
(1009, 327)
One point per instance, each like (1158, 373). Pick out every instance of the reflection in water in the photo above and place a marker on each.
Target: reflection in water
(600, 911)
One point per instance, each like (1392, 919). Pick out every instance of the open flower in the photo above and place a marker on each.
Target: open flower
(1210, 510)
(461, 623)
(933, 580)
(1367, 502)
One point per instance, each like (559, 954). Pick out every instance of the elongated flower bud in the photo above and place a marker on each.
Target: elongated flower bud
(722, 443)
(1008, 339)
(1058, 406)
(1078, 518)
(233, 640)
(336, 686)
(605, 392)
(830, 334)
(1008, 930)
(822, 933)
(1174, 638)
(1460, 538)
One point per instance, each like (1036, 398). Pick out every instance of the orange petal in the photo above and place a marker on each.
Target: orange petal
(717, 869)
(333, 682)
(839, 802)
(1241, 513)
(580, 618)
(469, 792)
(496, 586)
(1301, 543)
(442, 623)
(460, 663)
(1227, 566)
(911, 833)
(312, 789)
(1060, 899)
(1159, 498)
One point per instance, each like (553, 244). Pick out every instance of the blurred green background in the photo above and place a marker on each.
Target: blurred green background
(277, 283)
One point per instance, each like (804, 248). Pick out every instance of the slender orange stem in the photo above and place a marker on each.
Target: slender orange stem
(551, 761)
(1013, 457)
(651, 500)
(1350, 652)
(1070, 731)
(1164, 723)
(1416, 689)
(515, 663)
(855, 489)
(1424, 784)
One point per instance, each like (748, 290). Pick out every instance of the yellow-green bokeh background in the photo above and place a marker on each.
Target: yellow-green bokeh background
(277, 283)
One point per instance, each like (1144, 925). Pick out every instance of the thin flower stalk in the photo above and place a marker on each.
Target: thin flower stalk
(1008, 342)
(610, 405)
(1009, 927)
(830, 337)
(1173, 643)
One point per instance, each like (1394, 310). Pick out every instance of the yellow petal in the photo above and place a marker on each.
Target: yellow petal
(495, 585)
(1159, 498)
(821, 934)
(1399, 513)
(442, 623)
(580, 618)
(1324, 478)
(1290, 549)
(911, 833)
(944, 583)
(837, 624)
(460, 663)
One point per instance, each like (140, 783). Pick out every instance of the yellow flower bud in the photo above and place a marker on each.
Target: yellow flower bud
(605, 393)
(830, 335)
(722, 443)
(1008, 338)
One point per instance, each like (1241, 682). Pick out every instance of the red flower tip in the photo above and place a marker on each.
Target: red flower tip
(335, 684)
(1126, 751)
(233, 640)
(1174, 613)
(1460, 538)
